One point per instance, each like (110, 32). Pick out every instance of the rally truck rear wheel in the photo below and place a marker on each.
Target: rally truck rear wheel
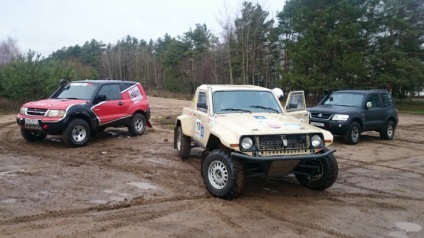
(223, 175)
(183, 144)
(77, 133)
(323, 175)
(32, 136)
(138, 125)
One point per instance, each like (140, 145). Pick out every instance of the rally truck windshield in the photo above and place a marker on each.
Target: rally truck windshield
(82, 91)
(245, 101)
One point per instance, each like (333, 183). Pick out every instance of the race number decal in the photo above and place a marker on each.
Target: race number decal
(200, 129)
(135, 94)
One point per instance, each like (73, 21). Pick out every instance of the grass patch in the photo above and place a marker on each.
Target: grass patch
(9, 107)
(415, 106)
(166, 94)
(167, 121)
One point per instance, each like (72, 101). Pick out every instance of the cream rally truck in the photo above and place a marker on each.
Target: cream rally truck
(245, 132)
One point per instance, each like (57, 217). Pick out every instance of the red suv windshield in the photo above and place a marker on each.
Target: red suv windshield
(78, 91)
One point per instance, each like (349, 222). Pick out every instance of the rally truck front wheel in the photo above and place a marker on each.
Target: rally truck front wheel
(183, 144)
(77, 133)
(223, 175)
(32, 136)
(138, 125)
(322, 173)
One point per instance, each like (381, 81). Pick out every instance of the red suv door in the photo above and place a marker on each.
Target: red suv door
(114, 108)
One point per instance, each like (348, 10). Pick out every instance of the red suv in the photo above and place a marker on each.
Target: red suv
(78, 109)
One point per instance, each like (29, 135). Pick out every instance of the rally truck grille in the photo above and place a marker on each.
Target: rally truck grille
(268, 145)
(36, 111)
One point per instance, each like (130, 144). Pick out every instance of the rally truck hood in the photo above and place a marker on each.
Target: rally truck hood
(229, 127)
(53, 103)
(262, 123)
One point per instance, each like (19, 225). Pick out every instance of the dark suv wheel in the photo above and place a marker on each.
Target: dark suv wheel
(389, 131)
(354, 134)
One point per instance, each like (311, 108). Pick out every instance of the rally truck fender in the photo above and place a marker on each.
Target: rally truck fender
(185, 122)
(226, 134)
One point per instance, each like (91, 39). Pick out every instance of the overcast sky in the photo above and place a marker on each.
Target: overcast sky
(48, 25)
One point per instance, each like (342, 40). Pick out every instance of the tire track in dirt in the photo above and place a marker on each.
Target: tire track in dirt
(184, 175)
(100, 208)
(377, 163)
(301, 224)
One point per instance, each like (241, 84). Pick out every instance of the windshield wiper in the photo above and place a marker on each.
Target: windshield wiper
(266, 108)
(236, 109)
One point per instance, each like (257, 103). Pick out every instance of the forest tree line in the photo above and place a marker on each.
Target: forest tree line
(310, 45)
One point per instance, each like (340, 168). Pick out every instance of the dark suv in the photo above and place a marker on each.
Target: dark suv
(348, 113)
(81, 108)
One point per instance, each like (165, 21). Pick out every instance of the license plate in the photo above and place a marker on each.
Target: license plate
(31, 121)
(317, 124)
(32, 124)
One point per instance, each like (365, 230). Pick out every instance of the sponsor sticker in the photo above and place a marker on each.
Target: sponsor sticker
(135, 94)
(200, 129)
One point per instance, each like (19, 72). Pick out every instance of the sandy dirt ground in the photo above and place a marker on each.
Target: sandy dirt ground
(122, 186)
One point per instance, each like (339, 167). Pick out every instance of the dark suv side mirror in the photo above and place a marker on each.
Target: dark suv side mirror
(369, 105)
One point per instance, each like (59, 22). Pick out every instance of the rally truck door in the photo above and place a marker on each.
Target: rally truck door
(201, 132)
(296, 106)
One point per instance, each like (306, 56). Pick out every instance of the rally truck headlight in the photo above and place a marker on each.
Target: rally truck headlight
(56, 113)
(340, 117)
(246, 143)
(23, 110)
(316, 141)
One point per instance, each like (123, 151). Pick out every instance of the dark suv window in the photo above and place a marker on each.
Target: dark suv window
(387, 99)
(374, 99)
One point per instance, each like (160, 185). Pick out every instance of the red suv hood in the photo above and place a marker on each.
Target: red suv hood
(54, 103)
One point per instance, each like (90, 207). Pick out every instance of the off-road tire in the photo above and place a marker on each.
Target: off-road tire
(183, 144)
(76, 133)
(137, 125)
(326, 174)
(223, 175)
(353, 134)
(389, 131)
(32, 136)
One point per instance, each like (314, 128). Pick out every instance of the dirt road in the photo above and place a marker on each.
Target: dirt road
(121, 186)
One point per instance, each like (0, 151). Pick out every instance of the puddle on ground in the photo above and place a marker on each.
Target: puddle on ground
(8, 201)
(142, 185)
(99, 201)
(12, 172)
(405, 227)
(409, 227)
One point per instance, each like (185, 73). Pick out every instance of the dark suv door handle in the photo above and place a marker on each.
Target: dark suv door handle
(120, 103)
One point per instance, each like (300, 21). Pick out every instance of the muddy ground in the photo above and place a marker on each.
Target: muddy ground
(121, 186)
